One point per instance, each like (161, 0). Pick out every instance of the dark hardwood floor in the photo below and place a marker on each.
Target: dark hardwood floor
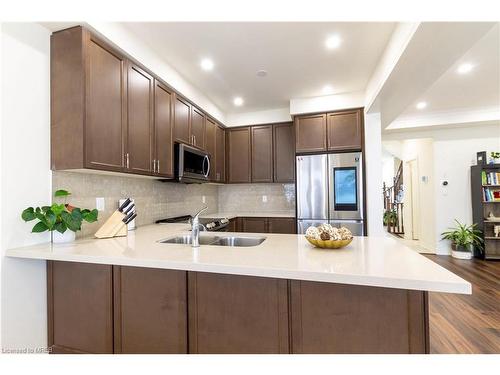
(467, 323)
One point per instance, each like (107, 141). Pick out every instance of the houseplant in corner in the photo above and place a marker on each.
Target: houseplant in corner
(464, 238)
(61, 219)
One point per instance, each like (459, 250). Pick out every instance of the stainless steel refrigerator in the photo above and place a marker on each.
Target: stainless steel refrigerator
(330, 190)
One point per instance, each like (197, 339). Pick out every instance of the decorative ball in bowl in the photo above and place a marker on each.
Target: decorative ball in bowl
(326, 236)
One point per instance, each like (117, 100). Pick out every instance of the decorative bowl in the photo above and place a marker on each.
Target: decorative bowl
(329, 244)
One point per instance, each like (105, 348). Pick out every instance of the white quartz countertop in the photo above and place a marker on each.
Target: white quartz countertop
(370, 261)
(231, 215)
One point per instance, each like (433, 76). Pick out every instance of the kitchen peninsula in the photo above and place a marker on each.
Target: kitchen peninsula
(138, 295)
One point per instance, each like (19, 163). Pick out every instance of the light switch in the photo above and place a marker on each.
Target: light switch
(203, 199)
(99, 204)
(264, 198)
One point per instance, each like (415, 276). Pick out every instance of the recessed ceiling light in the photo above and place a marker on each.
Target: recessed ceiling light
(261, 73)
(207, 64)
(421, 105)
(327, 90)
(238, 101)
(333, 42)
(465, 68)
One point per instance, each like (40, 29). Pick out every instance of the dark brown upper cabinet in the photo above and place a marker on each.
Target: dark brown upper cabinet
(284, 152)
(197, 128)
(344, 130)
(262, 153)
(239, 155)
(88, 102)
(163, 145)
(310, 133)
(210, 145)
(220, 154)
(182, 120)
(140, 99)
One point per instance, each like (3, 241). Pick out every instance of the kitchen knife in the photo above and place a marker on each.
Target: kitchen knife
(127, 217)
(124, 205)
(129, 208)
(126, 221)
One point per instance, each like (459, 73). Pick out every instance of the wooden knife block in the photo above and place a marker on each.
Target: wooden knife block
(113, 227)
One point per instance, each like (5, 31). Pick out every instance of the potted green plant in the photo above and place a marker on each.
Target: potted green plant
(61, 219)
(495, 157)
(464, 238)
(390, 217)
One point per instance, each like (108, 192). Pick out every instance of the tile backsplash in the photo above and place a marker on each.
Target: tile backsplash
(248, 198)
(153, 199)
(156, 200)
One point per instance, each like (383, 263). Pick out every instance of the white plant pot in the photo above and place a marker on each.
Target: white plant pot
(461, 254)
(68, 236)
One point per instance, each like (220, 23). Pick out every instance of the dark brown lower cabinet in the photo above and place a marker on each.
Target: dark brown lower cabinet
(237, 314)
(339, 318)
(80, 307)
(95, 308)
(254, 225)
(150, 310)
(285, 225)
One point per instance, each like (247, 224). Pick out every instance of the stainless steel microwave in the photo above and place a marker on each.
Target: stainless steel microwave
(191, 164)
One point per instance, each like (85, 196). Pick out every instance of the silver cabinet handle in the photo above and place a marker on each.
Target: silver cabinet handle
(158, 166)
(127, 161)
(154, 165)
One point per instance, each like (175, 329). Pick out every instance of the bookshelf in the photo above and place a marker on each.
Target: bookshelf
(485, 190)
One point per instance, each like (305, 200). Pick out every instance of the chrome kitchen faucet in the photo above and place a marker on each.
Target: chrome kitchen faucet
(195, 228)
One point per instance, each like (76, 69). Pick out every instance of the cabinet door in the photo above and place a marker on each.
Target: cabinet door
(220, 155)
(285, 225)
(105, 123)
(262, 153)
(232, 225)
(237, 314)
(150, 310)
(284, 152)
(182, 120)
(80, 307)
(163, 131)
(140, 120)
(344, 130)
(239, 168)
(353, 319)
(254, 225)
(197, 128)
(310, 133)
(211, 145)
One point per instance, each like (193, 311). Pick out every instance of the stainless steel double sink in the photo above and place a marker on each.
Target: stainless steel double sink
(217, 240)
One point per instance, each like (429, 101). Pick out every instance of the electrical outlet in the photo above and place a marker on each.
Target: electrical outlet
(203, 199)
(264, 198)
(99, 204)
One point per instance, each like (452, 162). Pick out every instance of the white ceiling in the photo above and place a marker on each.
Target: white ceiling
(479, 88)
(294, 55)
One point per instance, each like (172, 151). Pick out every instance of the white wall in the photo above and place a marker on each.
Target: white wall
(454, 151)
(327, 103)
(270, 116)
(373, 173)
(26, 176)
(420, 150)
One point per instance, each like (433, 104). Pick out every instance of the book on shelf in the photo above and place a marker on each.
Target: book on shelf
(490, 178)
(491, 194)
